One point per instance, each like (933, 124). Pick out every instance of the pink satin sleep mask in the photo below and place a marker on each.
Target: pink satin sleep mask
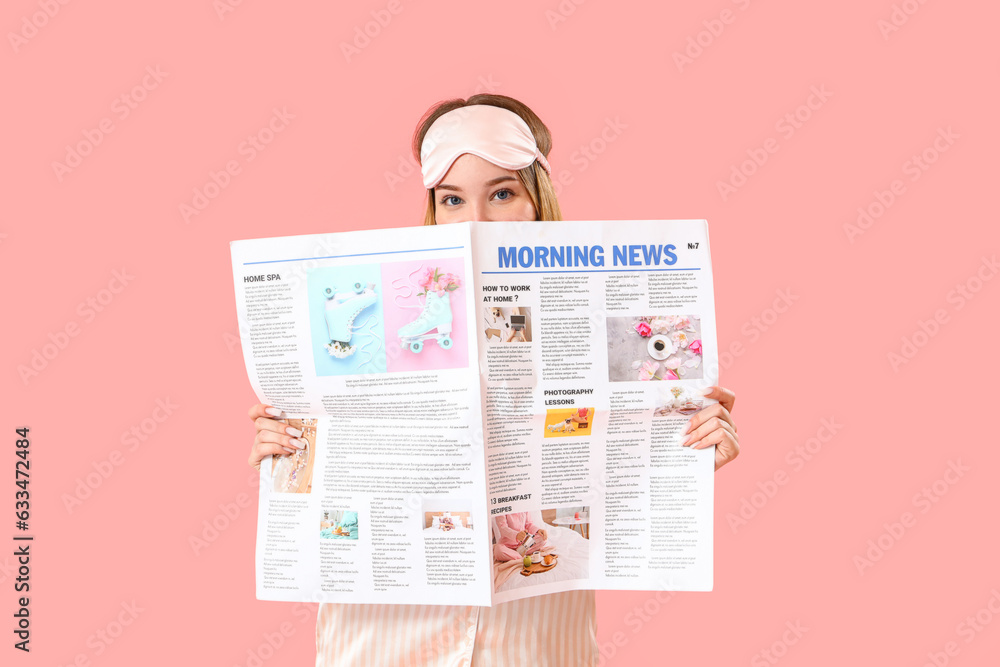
(490, 132)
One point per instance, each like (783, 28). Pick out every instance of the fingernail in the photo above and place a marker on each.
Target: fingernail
(294, 432)
(690, 426)
(686, 441)
(301, 444)
(274, 412)
(706, 391)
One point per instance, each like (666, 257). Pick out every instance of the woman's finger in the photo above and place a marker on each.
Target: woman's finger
(286, 441)
(268, 424)
(727, 450)
(708, 427)
(702, 416)
(716, 437)
(273, 437)
(264, 410)
(727, 446)
(263, 449)
(724, 396)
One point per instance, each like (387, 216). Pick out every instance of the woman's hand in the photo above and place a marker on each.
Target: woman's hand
(542, 534)
(273, 437)
(714, 426)
(521, 535)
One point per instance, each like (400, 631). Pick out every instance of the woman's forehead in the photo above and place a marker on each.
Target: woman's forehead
(470, 170)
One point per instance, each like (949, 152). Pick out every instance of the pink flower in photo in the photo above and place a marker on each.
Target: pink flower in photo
(695, 346)
(682, 322)
(670, 375)
(648, 370)
(426, 277)
(659, 325)
(643, 328)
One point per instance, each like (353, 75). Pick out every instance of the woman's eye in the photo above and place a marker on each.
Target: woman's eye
(444, 200)
(510, 193)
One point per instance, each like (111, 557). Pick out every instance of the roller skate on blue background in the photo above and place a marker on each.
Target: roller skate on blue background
(341, 309)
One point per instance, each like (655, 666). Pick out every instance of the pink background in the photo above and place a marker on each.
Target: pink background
(432, 356)
(167, 330)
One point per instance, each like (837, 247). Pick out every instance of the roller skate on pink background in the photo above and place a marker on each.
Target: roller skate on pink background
(435, 318)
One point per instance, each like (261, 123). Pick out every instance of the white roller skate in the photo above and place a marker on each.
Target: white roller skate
(341, 309)
(436, 314)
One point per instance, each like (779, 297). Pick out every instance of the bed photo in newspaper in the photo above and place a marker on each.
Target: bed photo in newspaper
(491, 411)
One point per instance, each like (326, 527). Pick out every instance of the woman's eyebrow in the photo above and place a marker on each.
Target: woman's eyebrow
(499, 179)
(492, 181)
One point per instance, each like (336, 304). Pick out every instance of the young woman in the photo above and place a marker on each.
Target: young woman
(514, 528)
(482, 159)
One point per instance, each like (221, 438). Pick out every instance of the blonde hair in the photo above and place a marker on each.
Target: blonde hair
(534, 179)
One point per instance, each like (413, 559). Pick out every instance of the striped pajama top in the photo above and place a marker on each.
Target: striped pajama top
(554, 630)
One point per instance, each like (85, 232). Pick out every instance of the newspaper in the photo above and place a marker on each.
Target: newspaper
(490, 410)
